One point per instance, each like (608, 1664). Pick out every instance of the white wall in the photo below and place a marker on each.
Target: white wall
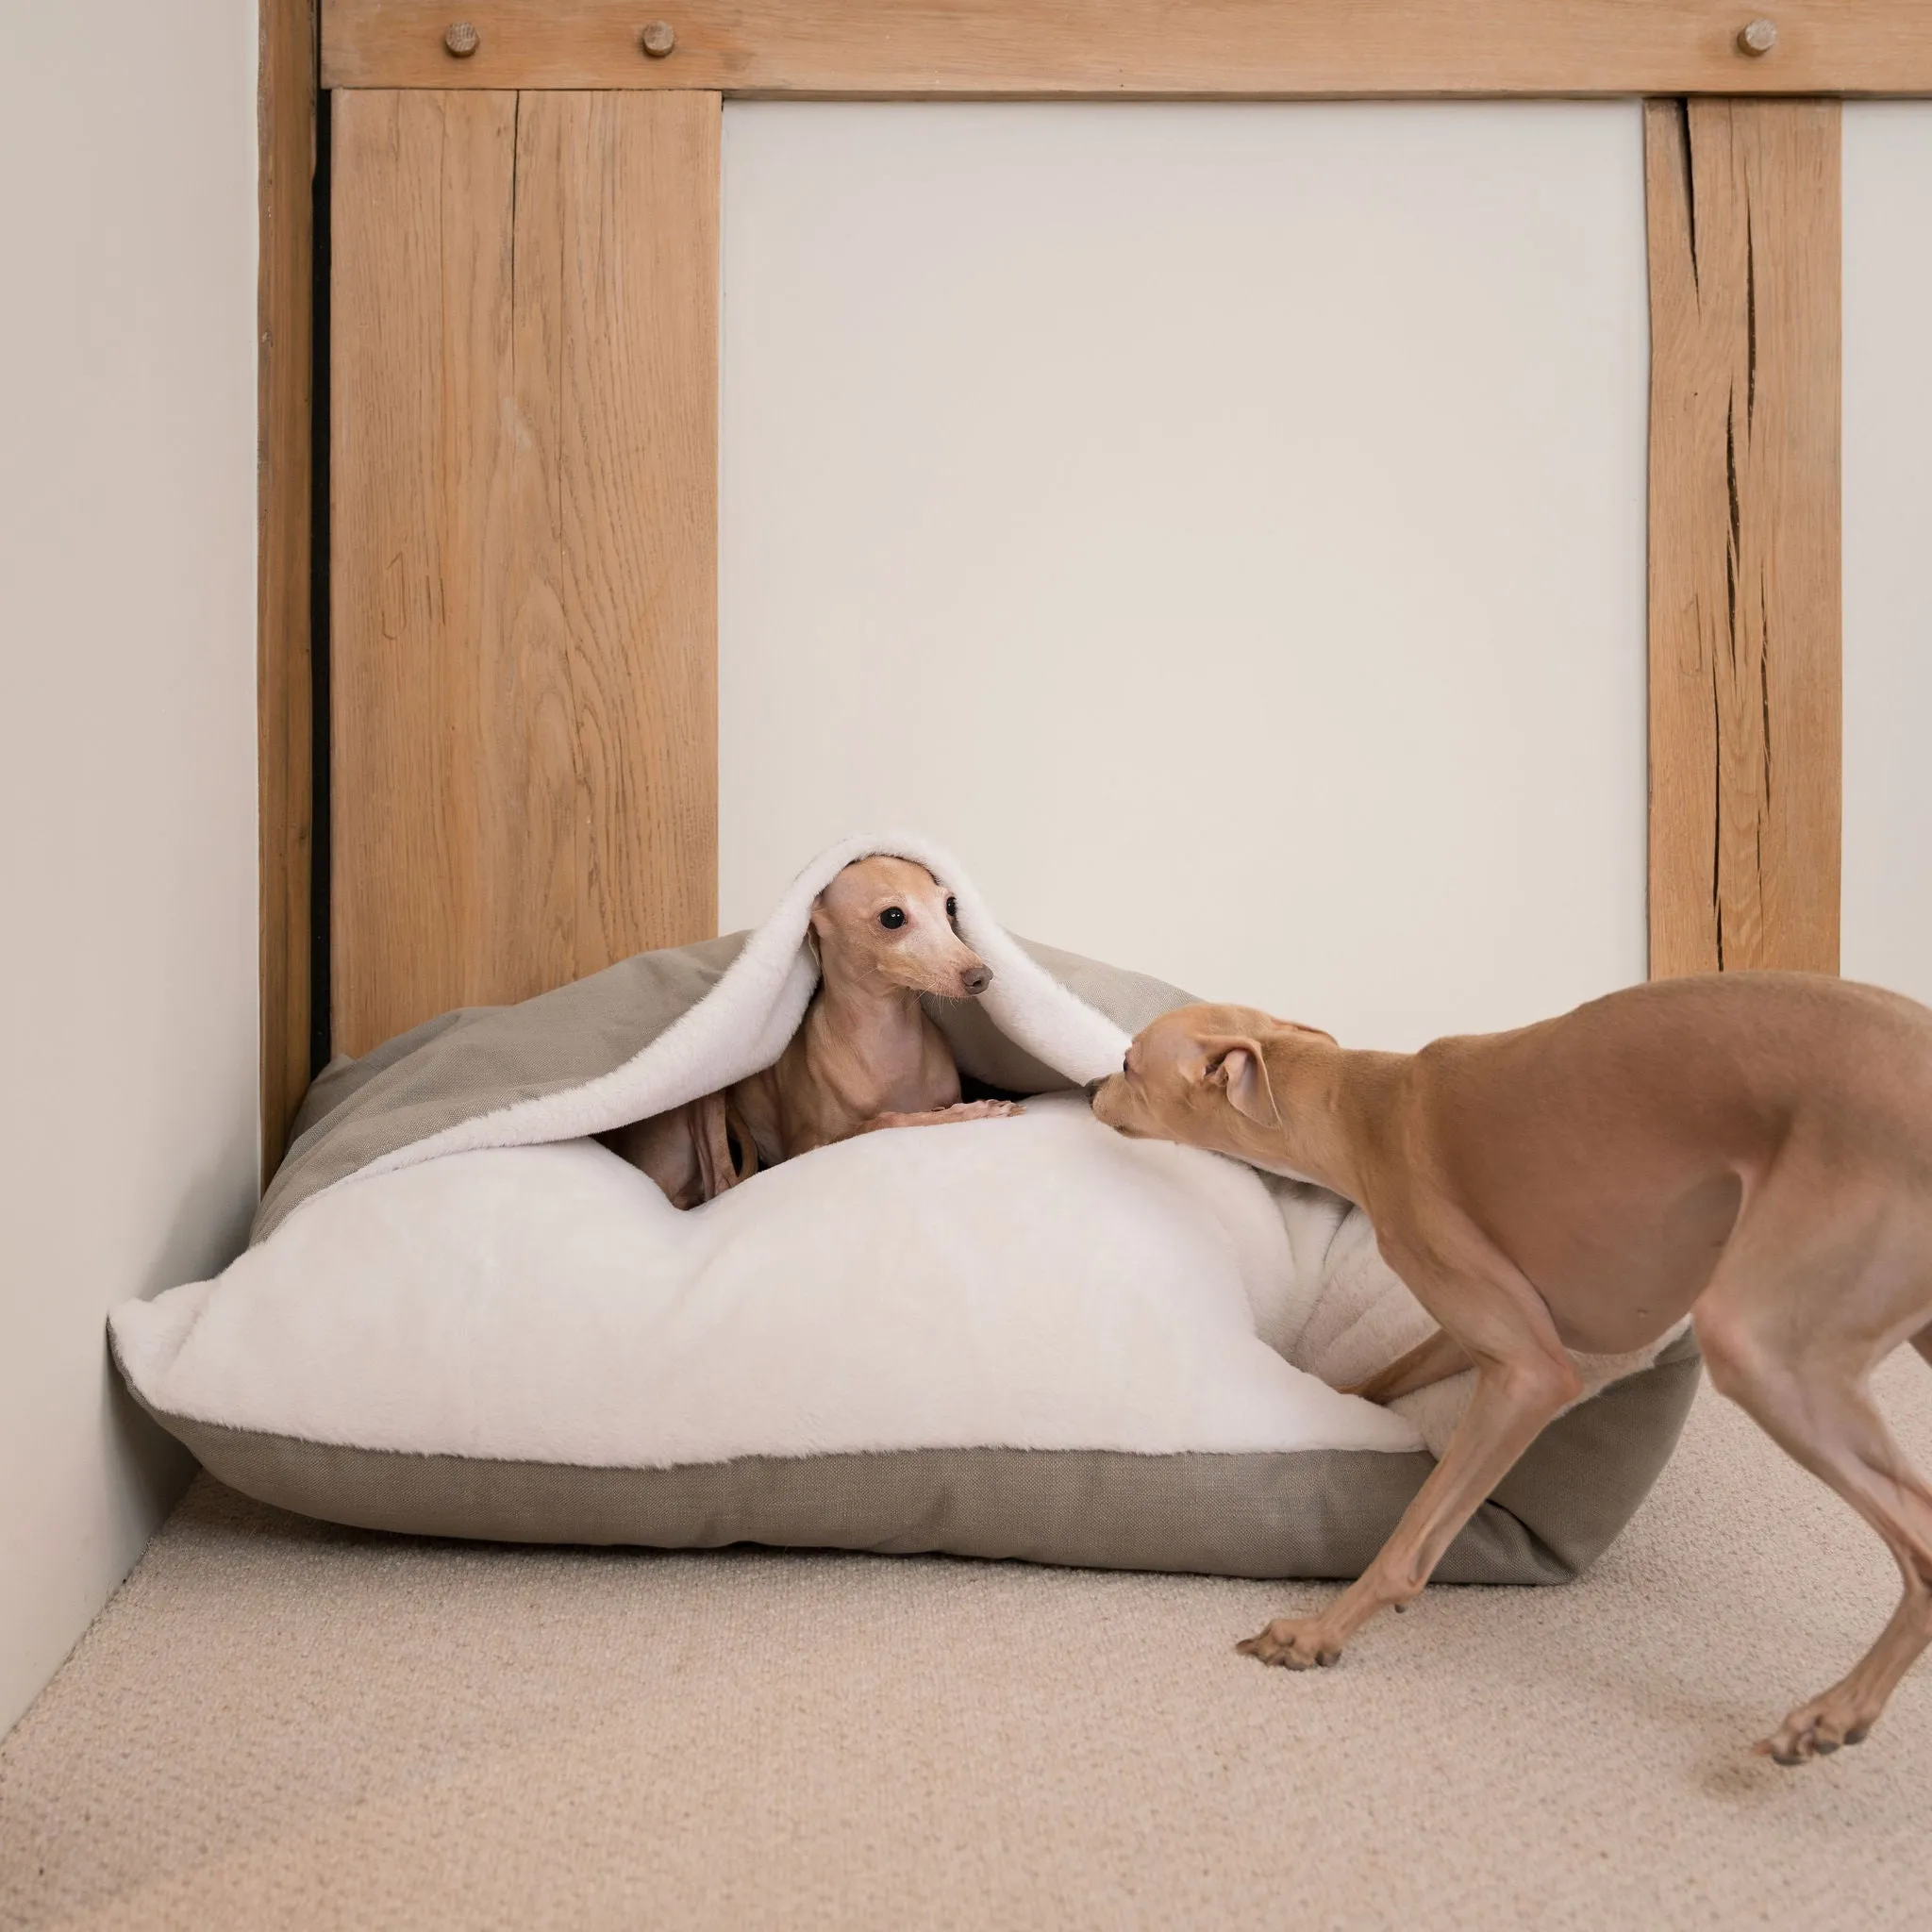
(127, 817)
(1223, 527)
(1888, 544)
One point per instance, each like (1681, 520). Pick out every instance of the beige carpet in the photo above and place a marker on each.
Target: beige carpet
(280, 1725)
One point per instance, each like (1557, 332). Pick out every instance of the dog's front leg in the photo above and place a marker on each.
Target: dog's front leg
(1523, 1380)
(945, 1116)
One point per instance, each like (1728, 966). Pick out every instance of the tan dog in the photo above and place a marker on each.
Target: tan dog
(865, 1056)
(1754, 1149)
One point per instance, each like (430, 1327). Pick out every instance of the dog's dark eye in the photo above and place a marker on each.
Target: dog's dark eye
(951, 908)
(891, 918)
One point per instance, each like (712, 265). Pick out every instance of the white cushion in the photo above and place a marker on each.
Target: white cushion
(1035, 1283)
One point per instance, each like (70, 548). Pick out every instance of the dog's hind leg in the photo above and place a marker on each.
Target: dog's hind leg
(665, 1148)
(1806, 1385)
(1855, 1452)
(722, 1164)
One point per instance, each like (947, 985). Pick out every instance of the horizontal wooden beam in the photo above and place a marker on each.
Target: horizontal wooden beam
(1135, 48)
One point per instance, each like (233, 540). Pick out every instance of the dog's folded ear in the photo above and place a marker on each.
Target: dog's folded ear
(1237, 1066)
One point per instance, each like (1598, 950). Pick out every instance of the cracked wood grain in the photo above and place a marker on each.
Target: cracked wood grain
(1743, 201)
(523, 482)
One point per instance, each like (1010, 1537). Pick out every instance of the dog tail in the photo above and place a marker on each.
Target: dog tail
(1431, 1361)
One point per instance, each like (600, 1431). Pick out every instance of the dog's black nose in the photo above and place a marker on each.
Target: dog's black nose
(975, 980)
(1093, 1087)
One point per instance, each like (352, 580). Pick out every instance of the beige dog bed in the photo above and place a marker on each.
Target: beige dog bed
(1024, 1338)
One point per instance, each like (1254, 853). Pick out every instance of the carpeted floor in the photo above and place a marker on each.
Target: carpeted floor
(279, 1724)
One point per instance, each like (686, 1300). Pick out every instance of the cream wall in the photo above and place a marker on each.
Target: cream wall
(1888, 544)
(127, 816)
(1223, 527)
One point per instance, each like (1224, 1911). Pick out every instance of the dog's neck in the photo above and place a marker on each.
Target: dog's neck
(867, 1021)
(1333, 1103)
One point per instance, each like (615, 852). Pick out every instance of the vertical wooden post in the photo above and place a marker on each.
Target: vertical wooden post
(1744, 564)
(524, 659)
(285, 297)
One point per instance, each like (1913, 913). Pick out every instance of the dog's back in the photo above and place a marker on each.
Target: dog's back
(1727, 1061)
(1624, 1140)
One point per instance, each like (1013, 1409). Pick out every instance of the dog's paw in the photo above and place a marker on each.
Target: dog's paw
(985, 1110)
(1294, 1644)
(1815, 1730)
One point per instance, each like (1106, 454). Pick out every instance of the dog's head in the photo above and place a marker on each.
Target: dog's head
(891, 921)
(1199, 1075)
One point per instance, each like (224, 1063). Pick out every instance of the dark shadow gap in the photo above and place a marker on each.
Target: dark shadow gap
(319, 612)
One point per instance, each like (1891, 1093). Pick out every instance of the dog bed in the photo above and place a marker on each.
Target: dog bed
(1029, 1337)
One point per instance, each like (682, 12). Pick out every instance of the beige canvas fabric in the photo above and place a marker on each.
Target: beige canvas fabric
(478, 1059)
(1316, 1513)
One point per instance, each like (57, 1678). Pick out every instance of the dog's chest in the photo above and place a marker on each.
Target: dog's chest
(836, 1080)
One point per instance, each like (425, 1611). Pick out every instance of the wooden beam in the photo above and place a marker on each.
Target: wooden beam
(1745, 563)
(420, 376)
(617, 360)
(284, 715)
(1122, 48)
(524, 468)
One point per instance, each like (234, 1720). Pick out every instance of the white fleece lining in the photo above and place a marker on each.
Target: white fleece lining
(746, 1020)
(1033, 1283)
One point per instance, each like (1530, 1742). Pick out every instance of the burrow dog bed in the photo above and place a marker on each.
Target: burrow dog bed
(1011, 1338)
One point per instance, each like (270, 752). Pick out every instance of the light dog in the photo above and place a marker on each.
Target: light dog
(865, 1057)
(1754, 1149)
